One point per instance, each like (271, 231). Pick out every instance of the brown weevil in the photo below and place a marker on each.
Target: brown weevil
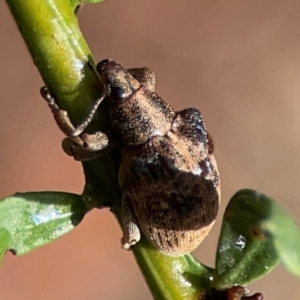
(168, 173)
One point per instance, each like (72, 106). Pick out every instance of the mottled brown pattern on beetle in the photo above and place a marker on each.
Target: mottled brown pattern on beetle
(167, 170)
(160, 177)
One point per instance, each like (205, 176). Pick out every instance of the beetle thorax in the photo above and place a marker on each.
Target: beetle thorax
(140, 117)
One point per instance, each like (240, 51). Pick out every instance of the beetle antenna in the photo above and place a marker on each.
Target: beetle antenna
(89, 117)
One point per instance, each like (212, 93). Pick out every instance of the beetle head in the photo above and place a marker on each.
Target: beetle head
(118, 80)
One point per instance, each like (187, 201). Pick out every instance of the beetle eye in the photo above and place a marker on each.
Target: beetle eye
(117, 93)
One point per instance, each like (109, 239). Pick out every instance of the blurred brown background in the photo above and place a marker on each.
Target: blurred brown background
(237, 61)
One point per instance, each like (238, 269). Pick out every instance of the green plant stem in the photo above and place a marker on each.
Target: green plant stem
(172, 277)
(50, 30)
(59, 51)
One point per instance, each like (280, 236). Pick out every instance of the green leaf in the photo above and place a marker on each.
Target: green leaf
(245, 251)
(286, 237)
(5, 238)
(172, 278)
(30, 220)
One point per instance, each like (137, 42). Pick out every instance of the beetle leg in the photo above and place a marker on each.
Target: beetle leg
(77, 143)
(130, 226)
(80, 153)
(62, 118)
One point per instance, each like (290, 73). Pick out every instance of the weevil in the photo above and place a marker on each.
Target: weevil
(168, 174)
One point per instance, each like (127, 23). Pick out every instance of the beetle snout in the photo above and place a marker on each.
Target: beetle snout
(105, 65)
